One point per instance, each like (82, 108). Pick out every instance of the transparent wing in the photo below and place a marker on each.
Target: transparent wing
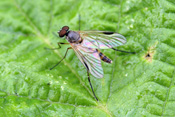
(101, 39)
(90, 59)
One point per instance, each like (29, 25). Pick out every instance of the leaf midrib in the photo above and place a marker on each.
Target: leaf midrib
(46, 40)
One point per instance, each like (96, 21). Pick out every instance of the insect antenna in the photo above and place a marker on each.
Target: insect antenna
(123, 51)
(91, 85)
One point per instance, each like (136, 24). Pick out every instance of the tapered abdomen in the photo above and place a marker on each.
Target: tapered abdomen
(104, 58)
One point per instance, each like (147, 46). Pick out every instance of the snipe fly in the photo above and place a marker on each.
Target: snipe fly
(86, 45)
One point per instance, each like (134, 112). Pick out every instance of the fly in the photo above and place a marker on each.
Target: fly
(86, 45)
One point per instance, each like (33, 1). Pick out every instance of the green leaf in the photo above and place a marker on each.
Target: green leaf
(141, 84)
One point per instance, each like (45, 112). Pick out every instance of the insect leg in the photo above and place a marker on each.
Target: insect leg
(123, 51)
(91, 85)
(59, 43)
(62, 58)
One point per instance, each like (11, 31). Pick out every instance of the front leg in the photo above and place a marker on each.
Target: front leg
(59, 44)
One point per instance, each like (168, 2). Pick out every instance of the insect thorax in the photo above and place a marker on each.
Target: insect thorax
(73, 37)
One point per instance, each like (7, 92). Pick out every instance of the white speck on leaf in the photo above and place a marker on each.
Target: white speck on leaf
(126, 74)
(62, 87)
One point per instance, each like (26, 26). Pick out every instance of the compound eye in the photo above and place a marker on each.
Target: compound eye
(65, 28)
(62, 33)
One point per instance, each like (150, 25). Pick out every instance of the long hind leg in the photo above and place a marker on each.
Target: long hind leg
(91, 85)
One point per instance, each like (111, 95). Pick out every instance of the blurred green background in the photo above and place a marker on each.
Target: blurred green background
(136, 85)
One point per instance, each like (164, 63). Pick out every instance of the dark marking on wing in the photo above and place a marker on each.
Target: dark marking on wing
(108, 33)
